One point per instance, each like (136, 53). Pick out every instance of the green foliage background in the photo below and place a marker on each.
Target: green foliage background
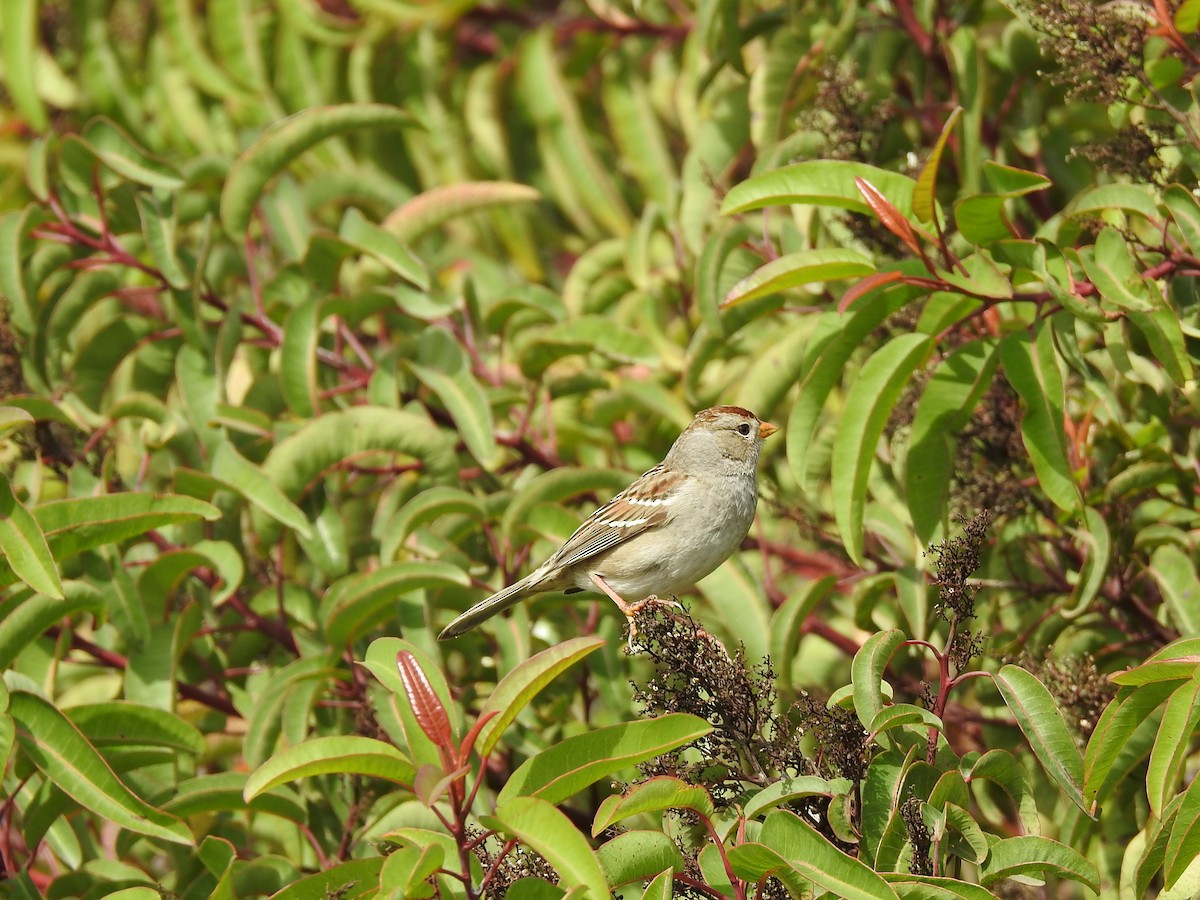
(323, 319)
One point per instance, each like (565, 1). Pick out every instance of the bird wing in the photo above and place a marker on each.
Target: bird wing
(639, 507)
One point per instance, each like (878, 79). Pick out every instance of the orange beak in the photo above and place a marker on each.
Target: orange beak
(766, 429)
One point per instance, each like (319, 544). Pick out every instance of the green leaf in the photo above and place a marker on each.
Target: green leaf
(563, 770)
(866, 673)
(1170, 668)
(1187, 20)
(1182, 204)
(1175, 573)
(384, 246)
(1032, 369)
(347, 881)
(118, 723)
(1039, 717)
(21, 45)
(115, 149)
(285, 140)
(341, 754)
(583, 182)
(899, 714)
(251, 482)
(289, 694)
(557, 486)
(794, 269)
(1173, 743)
(135, 893)
(819, 183)
(23, 544)
(298, 376)
(787, 790)
(654, 795)
(58, 316)
(1009, 181)
(660, 888)
(362, 600)
(15, 245)
(158, 228)
(1183, 844)
(407, 870)
(946, 406)
(1132, 198)
(443, 367)
(974, 847)
(82, 523)
(787, 627)
(724, 241)
(516, 689)
(1096, 544)
(1039, 856)
(925, 191)
(1112, 268)
(836, 338)
(1118, 725)
(61, 752)
(23, 619)
(581, 335)
(869, 404)
(215, 792)
(981, 219)
(432, 505)
(539, 825)
(789, 844)
(638, 856)
(437, 206)
(1164, 335)
(928, 887)
(1002, 768)
(297, 462)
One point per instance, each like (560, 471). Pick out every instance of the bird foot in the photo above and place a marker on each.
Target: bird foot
(632, 610)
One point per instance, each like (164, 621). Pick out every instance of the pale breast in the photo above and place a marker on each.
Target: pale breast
(702, 533)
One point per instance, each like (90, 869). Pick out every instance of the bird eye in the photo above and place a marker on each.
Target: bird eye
(744, 429)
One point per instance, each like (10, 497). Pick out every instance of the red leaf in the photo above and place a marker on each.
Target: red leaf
(469, 741)
(426, 704)
(891, 217)
(865, 286)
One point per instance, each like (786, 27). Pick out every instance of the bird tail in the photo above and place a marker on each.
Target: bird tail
(485, 609)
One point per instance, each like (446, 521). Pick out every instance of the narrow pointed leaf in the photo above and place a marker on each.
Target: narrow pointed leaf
(252, 483)
(1173, 744)
(795, 269)
(385, 246)
(869, 403)
(540, 825)
(655, 795)
(866, 673)
(60, 751)
(563, 770)
(1041, 720)
(522, 684)
(789, 844)
(283, 142)
(24, 546)
(1032, 369)
(925, 191)
(436, 206)
(349, 754)
(1038, 856)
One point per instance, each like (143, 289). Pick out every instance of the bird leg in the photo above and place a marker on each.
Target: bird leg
(629, 609)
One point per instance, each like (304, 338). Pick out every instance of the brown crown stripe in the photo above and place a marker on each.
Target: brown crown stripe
(730, 410)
